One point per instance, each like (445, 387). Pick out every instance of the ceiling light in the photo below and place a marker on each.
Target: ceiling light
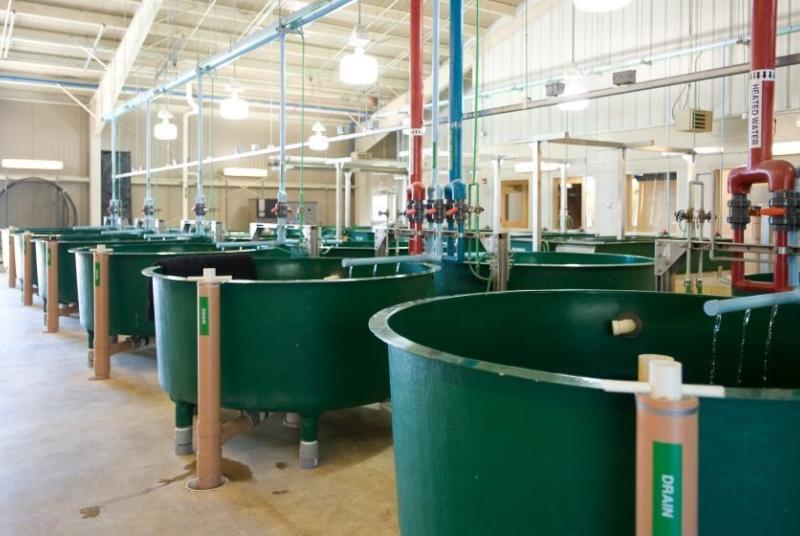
(258, 173)
(19, 163)
(574, 85)
(359, 37)
(318, 141)
(600, 6)
(784, 148)
(709, 150)
(234, 108)
(358, 68)
(165, 130)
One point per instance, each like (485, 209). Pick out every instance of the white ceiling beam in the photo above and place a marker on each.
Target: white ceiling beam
(113, 80)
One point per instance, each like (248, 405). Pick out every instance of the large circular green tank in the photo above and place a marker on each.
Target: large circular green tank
(500, 427)
(128, 292)
(292, 340)
(550, 270)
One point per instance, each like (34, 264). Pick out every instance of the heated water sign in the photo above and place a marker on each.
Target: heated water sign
(757, 80)
(667, 489)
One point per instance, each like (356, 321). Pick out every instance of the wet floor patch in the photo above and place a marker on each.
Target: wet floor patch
(281, 465)
(233, 470)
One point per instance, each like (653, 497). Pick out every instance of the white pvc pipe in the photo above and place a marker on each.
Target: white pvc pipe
(185, 139)
(338, 201)
(536, 175)
(496, 192)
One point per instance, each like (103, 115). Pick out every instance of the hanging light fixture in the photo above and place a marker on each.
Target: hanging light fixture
(600, 6)
(358, 68)
(318, 141)
(165, 130)
(574, 85)
(234, 108)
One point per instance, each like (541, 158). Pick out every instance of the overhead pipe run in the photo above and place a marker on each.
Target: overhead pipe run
(456, 191)
(779, 175)
(415, 194)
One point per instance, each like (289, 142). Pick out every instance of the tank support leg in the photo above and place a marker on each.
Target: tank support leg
(184, 420)
(309, 446)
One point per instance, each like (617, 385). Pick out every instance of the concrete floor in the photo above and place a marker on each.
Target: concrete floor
(85, 457)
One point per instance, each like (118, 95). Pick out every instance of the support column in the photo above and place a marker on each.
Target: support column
(496, 193)
(621, 193)
(11, 261)
(535, 215)
(348, 184)
(27, 270)
(95, 177)
(562, 205)
(52, 305)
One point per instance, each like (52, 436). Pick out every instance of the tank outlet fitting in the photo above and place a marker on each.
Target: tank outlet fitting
(626, 325)
(644, 364)
(183, 440)
(666, 379)
(309, 454)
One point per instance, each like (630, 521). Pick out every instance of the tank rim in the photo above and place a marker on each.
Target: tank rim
(82, 250)
(379, 325)
(150, 272)
(638, 261)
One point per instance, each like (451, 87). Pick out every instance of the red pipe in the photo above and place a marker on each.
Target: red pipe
(416, 190)
(779, 175)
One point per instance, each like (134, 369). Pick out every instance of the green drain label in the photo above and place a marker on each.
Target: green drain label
(48, 256)
(97, 274)
(203, 316)
(667, 488)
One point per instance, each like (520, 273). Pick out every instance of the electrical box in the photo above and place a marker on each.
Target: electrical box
(555, 88)
(260, 210)
(624, 78)
(691, 120)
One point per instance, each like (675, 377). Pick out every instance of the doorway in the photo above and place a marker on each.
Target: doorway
(514, 204)
(575, 203)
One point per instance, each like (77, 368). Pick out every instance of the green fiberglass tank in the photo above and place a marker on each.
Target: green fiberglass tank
(550, 270)
(501, 427)
(128, 288)
(293, 340)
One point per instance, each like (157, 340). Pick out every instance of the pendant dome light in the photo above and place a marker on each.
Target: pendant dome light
(165, 130)
(318, 141)
(234, 108)
(358, 68)
(574, 85)
(600, 6)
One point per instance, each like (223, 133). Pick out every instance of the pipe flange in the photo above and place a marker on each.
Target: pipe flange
(790, 202)
(739, 211)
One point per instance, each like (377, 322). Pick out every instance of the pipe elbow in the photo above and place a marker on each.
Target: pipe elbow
(781, 175)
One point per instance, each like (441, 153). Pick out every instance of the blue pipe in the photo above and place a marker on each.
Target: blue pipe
(732, 305)
(456, 191)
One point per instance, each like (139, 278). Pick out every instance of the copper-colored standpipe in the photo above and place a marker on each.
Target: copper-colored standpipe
(666, 455)
(11, 262)
(51, 318)
(102, 350)
(209, 426)
(27, 270)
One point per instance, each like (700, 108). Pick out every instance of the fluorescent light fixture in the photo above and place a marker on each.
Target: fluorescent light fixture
(358, 68)
(600, 6)
(258, 173)
(165, 130)
(783, 148)
(234, 108)
(527, 167)
(709, 150)
(21, 163)
(318, 141)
